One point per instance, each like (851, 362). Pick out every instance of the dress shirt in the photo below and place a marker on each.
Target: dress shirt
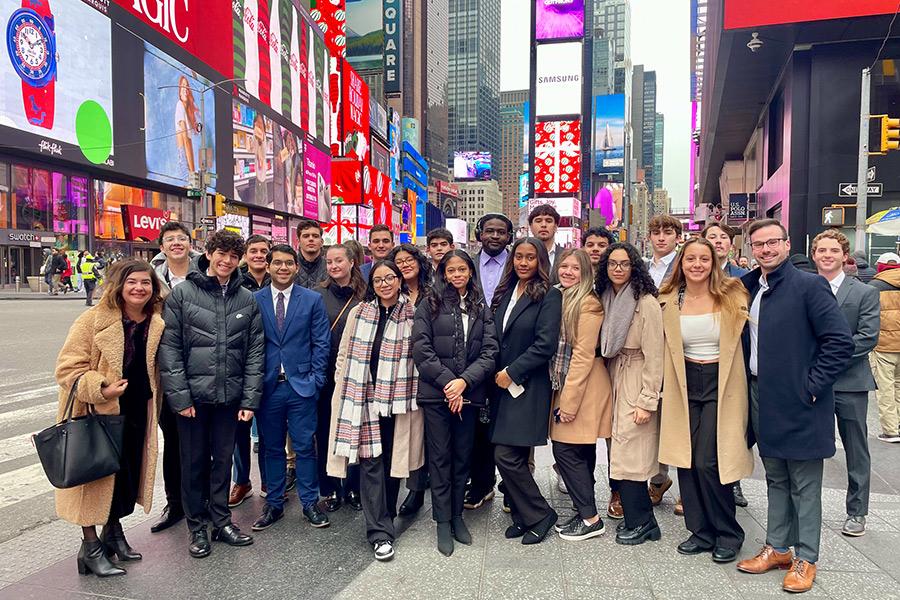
(836, 282)
(754, 325)
(491, 268)
(552, 255)
(658, 269)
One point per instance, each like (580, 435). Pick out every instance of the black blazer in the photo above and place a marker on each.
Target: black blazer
(527, 344)
(440, 356)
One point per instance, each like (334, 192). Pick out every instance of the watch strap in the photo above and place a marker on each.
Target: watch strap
(41, 7)
(40, 102)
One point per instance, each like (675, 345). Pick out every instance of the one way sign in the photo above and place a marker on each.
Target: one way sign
(848, 190)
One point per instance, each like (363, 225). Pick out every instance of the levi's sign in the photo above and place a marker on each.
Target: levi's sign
(143, 224)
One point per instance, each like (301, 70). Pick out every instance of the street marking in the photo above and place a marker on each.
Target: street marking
(23, 484)
(16, 447)
(28, 394)
(46, 411)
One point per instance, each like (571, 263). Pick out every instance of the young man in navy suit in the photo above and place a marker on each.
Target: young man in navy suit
(298, 342)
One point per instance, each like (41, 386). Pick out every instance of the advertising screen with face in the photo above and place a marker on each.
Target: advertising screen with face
(558, 19)
(56, 79)
(557, 150)
(316, 183)
(558, 80)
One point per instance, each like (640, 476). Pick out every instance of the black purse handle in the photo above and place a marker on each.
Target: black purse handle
(70, 403)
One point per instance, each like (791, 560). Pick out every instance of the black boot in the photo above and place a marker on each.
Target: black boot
(412, 504)
(92, 559)
(445, 539)
(113, 539)
(460, 531)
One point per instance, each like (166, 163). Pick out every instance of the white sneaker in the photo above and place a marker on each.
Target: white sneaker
(384, 550)
(891, 439)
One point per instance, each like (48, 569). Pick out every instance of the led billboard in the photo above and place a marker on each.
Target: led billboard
(472, 165)
(609, 135)
(740, 14)
(608, 201)
(355, 110)
(558, 79)
(558, 19)
(557, 151)
(365, 34)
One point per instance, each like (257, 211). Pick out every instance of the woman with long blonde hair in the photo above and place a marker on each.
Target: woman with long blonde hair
(582, 407)
(703, 429)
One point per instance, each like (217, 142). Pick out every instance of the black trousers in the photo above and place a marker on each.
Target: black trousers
(207, 446)
(527, 505)
(329, 485)
(613, 483)
(378, 490)
(850, 408)
(449, 441)
(576, 463)
(483, 471)
(635, 503)
(168, 423)
(709, 510)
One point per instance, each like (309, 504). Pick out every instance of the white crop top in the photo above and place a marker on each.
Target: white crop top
(700, 336)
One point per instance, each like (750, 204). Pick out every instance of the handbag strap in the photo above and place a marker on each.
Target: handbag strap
(70, 402)
(341, 314)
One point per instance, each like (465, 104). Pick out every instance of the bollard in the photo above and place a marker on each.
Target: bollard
(18, 284)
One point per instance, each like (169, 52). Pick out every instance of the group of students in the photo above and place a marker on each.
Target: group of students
(442, 368)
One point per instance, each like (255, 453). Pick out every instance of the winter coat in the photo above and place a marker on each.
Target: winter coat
(95, 350)
(311, 274)
(443, 353)
(213, 350)
(864, 271)
(336, 298)
(733, 456)
(161, 266)
(249, 281)
(888, 285)
(586, 392)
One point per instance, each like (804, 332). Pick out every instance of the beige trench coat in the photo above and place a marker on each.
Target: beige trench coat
(95, 349)
(408, 453)
(734, 457)
(636, 375)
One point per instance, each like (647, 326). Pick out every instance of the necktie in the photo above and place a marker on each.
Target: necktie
(279, 312)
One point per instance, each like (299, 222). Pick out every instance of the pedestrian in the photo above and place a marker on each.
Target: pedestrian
(172, 265)
(381, 242)
(528, 313)
(886, 356)
(797, 344)
(66, 279)
(455, 348)
(312, 262)
(375, 419)
(582, 404)
(297, 348)
(342, 290)
(705, 412)
(89, 275)
(109, 359)
(631, 341)
(57, 268)
(46, 268)
(863, 270)
(439, 242)
(212, 380)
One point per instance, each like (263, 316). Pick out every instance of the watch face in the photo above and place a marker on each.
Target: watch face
(31, 47)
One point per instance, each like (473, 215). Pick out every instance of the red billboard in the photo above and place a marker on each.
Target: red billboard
(740, 14)
(143, 223)
(331, 16)
(346, 182)
(201, 29)
(354, 115)
(377, 194)
(557, 150)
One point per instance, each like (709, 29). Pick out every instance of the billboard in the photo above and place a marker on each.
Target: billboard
(568, 208)
(609, 135)
(411, 132)
(316, 184)
(346, 182)
(558, 79)
(526, 121)
(608, 201)
(365, 34)
(740, 14)
(394, 146)
(355, 111)
(523, 190)
(472, 165)
(558, 19)
(377, 193)
(391, 21)
(557, 151)
(331, 17)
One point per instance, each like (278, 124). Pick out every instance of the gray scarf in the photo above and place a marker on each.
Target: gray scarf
(618, 311)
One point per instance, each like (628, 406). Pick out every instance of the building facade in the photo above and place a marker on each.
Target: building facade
(613, 19)
(512, 149)
(478, 198)
(648, 129)
(659, 139)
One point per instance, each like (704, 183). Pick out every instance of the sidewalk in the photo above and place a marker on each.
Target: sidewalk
(26, 294)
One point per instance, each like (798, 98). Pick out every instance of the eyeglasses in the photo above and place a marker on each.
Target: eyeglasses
(615, 265)
(772, 243)
(283, 263)
(175, 238)
(405, 261)
(386, 280)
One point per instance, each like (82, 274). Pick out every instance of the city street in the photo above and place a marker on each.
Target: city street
(292, 560)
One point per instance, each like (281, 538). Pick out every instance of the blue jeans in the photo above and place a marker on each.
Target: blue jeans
(286, 412)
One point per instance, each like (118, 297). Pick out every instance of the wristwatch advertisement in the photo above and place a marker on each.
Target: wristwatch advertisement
(31, 43)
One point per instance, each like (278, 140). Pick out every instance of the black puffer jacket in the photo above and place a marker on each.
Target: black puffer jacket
(440, 356)
(213, 348)
(311, 274)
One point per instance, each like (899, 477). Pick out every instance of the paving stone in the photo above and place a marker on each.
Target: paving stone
(875, 586)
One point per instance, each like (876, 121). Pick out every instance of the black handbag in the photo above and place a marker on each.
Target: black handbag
(81, 449)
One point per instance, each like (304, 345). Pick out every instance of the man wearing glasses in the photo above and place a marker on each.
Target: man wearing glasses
(797, 343)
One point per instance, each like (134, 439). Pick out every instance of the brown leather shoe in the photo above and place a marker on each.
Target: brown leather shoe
(614, 508)
(800, 578)
(766, 560)
(679, 507)
(657, 491)
(239, 493)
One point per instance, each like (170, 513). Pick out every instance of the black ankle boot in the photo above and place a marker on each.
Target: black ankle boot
(113, 539)
(460, 531)
(92, 559)
(412, 504)
(445, 539)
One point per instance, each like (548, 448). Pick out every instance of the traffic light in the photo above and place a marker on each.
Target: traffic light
(890, 133)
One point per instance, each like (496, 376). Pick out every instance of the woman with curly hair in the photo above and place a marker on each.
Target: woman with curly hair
(631, 340)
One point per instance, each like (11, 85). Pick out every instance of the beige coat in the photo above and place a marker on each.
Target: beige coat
(587, 391)
(408, 453)
(732, 453)
(636, 377)
(95, 349)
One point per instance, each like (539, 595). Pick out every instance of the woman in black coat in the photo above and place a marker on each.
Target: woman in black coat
(527, 311)
(455, 349)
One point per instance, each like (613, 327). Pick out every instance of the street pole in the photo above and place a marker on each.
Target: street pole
(862, 183)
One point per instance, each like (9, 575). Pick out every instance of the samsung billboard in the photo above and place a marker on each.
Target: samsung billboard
(558, 79)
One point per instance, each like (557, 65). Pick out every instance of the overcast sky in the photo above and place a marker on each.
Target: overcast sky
(660, 40)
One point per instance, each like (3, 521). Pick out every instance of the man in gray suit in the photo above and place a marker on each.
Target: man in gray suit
(860, 305)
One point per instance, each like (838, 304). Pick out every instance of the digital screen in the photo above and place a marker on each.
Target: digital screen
(753, 13)
(609, 135)
(472, 165)
(558, 79)
(557, 152)
(558, 19)
(365, 34)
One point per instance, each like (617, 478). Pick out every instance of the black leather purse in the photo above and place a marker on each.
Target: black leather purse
(81, 449)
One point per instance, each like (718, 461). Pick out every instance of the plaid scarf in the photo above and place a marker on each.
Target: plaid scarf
(396, 381)
(559, 364)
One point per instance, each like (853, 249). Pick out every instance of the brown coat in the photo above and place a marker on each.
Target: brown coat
(587, 391)
(732, 453)
(636, 377)
(95, 349)
(408, 453)
(889, 337)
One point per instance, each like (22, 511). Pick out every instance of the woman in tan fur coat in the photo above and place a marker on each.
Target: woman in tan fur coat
(111, 353)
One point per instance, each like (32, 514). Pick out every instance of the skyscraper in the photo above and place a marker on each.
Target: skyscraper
(436, 73)
(613, 19)
(658, 147)
(648, 129)
(474, 76)
(512, 151)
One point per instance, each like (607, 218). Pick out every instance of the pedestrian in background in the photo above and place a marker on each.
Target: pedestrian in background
(863, 270)
(89, 271)
(110, 355)
(312, 260)
(886, 356)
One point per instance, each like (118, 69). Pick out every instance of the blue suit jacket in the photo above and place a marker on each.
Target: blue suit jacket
(733, 271)
(304, 345)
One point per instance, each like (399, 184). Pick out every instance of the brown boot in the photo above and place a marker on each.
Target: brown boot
(800, 578)
(657, 491)
(679, 508)
(766, 560)
(614, 509)
(239, 493)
